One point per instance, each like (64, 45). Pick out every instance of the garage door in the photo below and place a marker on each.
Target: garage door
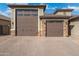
(27, 22)
(4, 30)
(54, 28)
(0, 29)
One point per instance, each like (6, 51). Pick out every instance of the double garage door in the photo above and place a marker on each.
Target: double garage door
(54, 28)
(26, 22)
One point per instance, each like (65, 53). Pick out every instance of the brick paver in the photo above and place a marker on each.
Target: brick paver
(38, 46)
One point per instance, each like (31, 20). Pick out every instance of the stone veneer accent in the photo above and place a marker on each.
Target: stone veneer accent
(43, 27)
(65, 28)
(13, 32)
(40, 13)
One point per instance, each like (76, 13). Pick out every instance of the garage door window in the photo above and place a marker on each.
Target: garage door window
(30, 12)
(19, 14)
(54, 21)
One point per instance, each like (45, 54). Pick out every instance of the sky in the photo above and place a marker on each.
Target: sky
(50, 8)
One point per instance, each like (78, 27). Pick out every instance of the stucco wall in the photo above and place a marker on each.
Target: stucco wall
(40, 12)
(59, 13)
(63, 13)
(75, 28)
(68, 13)
(13, 19)
(3, 22)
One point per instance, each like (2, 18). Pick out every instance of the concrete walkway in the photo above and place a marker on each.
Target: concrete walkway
(38, 46)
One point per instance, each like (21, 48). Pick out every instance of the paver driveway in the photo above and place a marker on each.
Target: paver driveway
(38, 46)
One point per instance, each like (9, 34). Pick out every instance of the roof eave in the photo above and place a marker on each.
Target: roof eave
(17, 6)
(74, 17)
(55, 17)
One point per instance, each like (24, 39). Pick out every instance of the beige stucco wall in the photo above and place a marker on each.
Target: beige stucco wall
(63, 13)
(68, 13)
(75, 29)
(59, 13)
(3, 22)
(13, 19)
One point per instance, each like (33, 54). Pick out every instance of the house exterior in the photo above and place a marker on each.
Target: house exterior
(30, 20)
(4, 25)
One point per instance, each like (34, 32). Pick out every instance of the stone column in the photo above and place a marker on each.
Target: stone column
(43, 28)
(13, 20)
(65, 28)
(40, 28)
(40, 13)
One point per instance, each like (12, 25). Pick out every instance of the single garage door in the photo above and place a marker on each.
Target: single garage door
(4, 30)
(54, 28)
(1, 30)
(26, 22)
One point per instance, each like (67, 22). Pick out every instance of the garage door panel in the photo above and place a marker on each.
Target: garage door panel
(27, 24)
(54, 29)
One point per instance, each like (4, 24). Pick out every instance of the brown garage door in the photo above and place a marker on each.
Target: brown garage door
(4, 30)
(27, 22)
(54, 28)
(0, 29)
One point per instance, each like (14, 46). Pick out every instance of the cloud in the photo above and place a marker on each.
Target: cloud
(47, 7)
(73, 7)
(75, 11)
(6, 12)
